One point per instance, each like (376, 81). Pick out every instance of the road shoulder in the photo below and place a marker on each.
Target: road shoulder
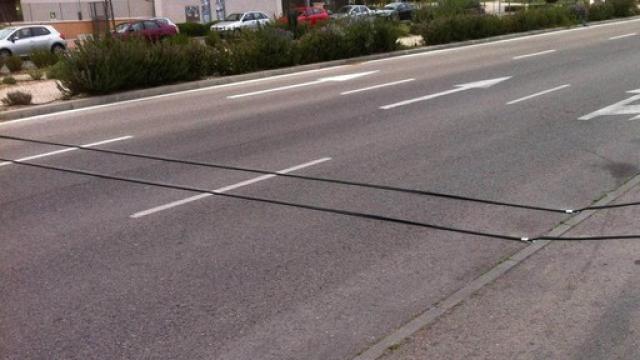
(571, 300)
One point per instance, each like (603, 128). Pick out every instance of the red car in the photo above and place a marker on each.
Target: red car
(312, 16)
(309, 16)
(151, 30)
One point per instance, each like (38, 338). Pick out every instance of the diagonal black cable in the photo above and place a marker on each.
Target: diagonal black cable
(293, 176)
(586, 238)
(264, 200)
(320, 209)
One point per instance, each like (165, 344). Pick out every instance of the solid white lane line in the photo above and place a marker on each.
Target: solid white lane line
(533, 54)
(623, 36)
(225, 189)
(280, 88)
(538, 94)
(377, 86)
(61, 151)
(337, 78)
(155, 97)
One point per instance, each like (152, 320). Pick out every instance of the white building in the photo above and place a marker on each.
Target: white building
(177, 10)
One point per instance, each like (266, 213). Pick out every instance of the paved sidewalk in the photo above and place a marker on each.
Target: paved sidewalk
(571, 300)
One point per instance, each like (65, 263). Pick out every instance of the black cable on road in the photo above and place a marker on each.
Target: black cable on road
(293, 176)
(312, 207)
(262, 200)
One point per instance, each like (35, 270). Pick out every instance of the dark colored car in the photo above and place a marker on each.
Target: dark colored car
(397, 10)
(151, 30)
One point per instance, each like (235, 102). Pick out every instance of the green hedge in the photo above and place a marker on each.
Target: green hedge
(108, 65)
(193, 29)
(43, 58)
(603, 11)
(467, 27)
(624, 8)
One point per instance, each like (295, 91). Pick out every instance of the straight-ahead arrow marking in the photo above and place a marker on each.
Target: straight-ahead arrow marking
(484, 84)
(337, 78)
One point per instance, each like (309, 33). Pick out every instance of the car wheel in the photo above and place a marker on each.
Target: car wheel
(57, 49)
(4, 53)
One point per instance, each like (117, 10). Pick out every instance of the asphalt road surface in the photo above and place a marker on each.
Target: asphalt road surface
(99, 269)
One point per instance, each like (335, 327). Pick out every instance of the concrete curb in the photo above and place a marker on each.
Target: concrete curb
(432, 314)
(161, 90)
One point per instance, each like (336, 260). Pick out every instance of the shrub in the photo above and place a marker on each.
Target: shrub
(17, 98)
(321, 44)
(106, 65)
(462, 27)
(424, 14)
(180, 39)
(9, 80)
(540, 19)
(43, 58)
(265, 48)
(466, 27)
(358, 38)
(57, 71)
(347, 39)
(385, 36)
(366, 37)
(35, 74)
(602, 11)
(213, 39)
(624, 8)
(457, 7)
(193, 29)
(14, 63)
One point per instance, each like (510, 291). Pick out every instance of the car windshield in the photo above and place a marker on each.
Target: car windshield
(233, 17)
(4, 33)
(344, 10)
(390, 7)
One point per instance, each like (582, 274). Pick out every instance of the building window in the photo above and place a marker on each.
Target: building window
(192, 14)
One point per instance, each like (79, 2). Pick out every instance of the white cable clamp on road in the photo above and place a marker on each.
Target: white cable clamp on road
(568, 211)
(525, 239)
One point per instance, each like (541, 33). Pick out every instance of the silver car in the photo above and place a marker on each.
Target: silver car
(353, 11)
(239, 21)
(23, 40)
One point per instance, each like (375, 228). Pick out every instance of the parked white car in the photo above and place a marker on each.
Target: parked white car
(240, 21)
(23, 40)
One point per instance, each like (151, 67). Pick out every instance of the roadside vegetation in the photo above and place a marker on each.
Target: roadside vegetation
(106, 65)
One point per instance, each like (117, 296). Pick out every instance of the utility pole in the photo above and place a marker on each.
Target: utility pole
(109, 16)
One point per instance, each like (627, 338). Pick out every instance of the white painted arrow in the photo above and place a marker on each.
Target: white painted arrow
(484, 84)
(337, 78)
(619, 108)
